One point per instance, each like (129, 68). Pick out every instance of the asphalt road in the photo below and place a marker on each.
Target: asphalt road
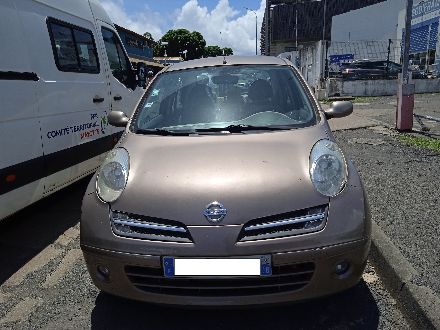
(402, 183)
(45, 285)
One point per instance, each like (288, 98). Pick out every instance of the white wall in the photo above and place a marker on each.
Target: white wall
(339, 87)
(376, 22)
(311, 63)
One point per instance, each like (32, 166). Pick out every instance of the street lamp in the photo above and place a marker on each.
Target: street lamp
(256, 28)
(296, 25)
(325, 12)
(165, 43)
(324, 48)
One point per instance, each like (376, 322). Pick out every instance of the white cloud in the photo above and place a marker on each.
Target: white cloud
(237, 31)
(237, 28)
(140, 22)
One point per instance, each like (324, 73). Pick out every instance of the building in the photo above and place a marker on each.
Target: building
(295, 25)
(139, 48)
(280, 32)
(425, 46)
(356, 34)
(358, 25)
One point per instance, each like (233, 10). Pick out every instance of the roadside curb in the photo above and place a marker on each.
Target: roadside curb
(419, 302)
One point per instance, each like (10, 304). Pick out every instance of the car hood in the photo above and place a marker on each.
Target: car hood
(252, 175)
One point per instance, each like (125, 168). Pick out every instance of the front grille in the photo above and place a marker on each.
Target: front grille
(284, 278)
(148, 228)
(283, 225)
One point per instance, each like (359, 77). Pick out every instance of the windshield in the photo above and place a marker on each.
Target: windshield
(225, 96)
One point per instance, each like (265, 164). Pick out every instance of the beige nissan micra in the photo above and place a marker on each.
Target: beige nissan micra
(227, 188)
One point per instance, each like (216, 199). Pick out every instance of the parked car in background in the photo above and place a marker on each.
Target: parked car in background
(233, 192)
(418, 73)
(367, 69)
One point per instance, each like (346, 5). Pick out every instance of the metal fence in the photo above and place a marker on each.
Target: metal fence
(346, 52)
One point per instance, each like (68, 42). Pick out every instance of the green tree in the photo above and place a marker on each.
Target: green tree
(212, 51)
(159, 49)
(181, 40)
(228, 51)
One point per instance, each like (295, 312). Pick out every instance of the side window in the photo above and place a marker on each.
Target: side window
(119, 63)
(73, 47)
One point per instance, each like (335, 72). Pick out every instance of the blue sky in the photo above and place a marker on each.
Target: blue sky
(222, 22)
(169, 6)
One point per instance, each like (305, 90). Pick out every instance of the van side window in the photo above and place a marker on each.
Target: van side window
(73, 47)
(119, 63)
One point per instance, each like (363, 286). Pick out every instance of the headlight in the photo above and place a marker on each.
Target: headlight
(113, 175)
(328, 169)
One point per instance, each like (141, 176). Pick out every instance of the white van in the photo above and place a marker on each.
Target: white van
(63, 68)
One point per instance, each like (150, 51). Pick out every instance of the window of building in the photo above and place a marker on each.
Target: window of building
(73, 47)
(119, 62)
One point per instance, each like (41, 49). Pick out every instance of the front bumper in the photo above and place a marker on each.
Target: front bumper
(322, 281)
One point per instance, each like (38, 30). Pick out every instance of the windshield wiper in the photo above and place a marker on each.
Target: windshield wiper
(242, 128)
(164, 132)
(228, 129)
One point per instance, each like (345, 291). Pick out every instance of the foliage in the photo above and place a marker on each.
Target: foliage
(186, 44)
(423, 142)
(228, 51)
(212, 51)
(180, 41)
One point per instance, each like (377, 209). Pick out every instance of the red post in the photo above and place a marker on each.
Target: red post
(405, 92)
(405, 106)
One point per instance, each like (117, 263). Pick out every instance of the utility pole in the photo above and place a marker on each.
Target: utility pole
(296, 25)
(266, 29)
(405, 94)
(324, 45)
(427, 59)
(325, 13)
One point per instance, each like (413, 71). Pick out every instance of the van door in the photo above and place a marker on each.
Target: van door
(125, 93)
(73, 99)
(21, 152)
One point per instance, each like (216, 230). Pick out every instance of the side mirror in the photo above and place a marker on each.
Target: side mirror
(339, 109)
(141, 73)
(117, 119)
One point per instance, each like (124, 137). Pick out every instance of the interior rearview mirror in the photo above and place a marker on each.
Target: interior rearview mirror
(339, 109)
(117, 119)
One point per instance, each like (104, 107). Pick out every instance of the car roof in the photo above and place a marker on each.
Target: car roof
(230, 60)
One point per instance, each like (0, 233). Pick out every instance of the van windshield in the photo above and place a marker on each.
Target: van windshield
(225, 96)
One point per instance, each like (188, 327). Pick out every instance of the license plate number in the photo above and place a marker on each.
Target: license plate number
(252, 266)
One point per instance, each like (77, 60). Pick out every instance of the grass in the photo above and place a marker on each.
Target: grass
(422, 142)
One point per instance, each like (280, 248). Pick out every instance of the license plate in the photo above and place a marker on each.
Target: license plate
(252, 266)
